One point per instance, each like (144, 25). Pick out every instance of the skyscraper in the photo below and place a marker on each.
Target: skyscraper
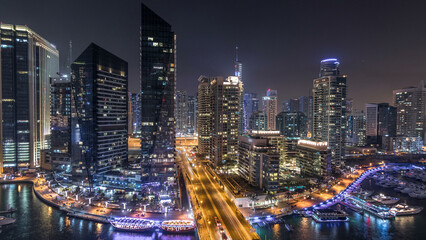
(380, 122)
(204, 117)
(192, 115)
(329, 108)
(225, 98)
(60, 123)
(181, 112)
(270, 108)
(99, 80)
(294, 105)
(158, 78)
(306, 107)
(356, 128)
(136, 113)
(257, 121)
(411, 111)
(238, 66)
(27, 61)
(292, 124)
(250, 106)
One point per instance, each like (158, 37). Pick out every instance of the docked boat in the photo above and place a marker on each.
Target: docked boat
(178, 226)
(6, 221)
(381, 198)
(329, 215)
(132, 224)
(403, 209)
(363, 192)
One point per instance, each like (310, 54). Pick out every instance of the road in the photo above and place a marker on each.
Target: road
(215, 203)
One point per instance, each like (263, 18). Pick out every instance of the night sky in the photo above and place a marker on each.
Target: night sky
(381, 44)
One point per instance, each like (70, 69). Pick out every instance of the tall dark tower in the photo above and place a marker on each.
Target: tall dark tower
(158, 76)
(99, 81)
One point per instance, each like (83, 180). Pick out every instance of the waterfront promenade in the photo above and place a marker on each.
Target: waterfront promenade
(95, 211)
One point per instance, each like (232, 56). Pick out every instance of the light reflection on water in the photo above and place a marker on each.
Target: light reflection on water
(36, 220)
(358, 227)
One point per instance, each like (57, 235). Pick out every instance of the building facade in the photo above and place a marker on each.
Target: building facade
(259, 159)
(181, 113)
(314, 158)
(329, 109)
(411, 111)
(250, 106)
(257, 121)
(380, 123)
(61, 119)
(204, 117)
(27, 61)
(292, 124)
(100, 85)
(270, 108)
(226, 95)
(192, 115)
(356, 135)
(158, 83)
(136, 113)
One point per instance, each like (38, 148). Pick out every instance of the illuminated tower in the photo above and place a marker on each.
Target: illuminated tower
(329, 101)
(270, 108)
(27, 61)
(158, 83)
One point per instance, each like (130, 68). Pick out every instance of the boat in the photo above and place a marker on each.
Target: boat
(330, 215)
(403, 209)
(289, 227)
(9, 210)
(420, 194)
(381, 198)
(178, 226)
(363, 192)
(6, 221)
(132, 224)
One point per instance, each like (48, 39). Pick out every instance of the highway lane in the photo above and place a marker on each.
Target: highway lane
(215, 203)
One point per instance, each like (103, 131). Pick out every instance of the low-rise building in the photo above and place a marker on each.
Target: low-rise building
(314, 158)
(259, 159)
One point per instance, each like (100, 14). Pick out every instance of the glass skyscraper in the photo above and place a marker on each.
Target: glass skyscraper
(158, 98)
(27, 61)
(99, 81)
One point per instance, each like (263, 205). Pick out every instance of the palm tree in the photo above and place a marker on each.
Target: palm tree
(270, 197)
(253, 199)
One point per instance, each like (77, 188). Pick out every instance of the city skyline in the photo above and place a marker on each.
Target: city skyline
(357, 41)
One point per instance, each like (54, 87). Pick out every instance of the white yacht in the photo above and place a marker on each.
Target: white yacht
(381, 198)
(403, 209)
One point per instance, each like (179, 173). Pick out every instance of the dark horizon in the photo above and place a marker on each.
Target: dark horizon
(280, 44)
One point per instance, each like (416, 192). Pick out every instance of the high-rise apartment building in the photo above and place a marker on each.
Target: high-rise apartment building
(27, 61)
(257, 121)
(380, 122)
(204, 117)
(226, 95)
(314, 159)
(270, 108)
(250, 106)
(100, 80)
(356, 128)
(292, 124)
(181, 113)
(158, 83)
(411, 111)
(192, 115)
(329, 109)
(60, 123)
(306, 107)
(259, 159)
(135, 100)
